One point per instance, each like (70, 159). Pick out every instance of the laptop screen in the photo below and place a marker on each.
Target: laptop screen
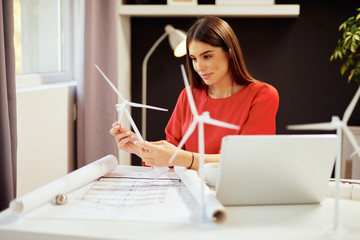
(275, 169)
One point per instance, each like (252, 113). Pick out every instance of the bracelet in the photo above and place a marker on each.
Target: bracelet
(192, 160)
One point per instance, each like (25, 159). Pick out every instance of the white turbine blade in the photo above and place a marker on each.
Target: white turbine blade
(352, 140)
(133, 125)
(351, 106)
(110, 83)
(312, 126)
(146, 106)
(357, 151)
(220, 123)
(189, 131)
(188, 92)
(121, 114)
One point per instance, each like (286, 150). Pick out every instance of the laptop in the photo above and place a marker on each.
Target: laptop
(275, 169)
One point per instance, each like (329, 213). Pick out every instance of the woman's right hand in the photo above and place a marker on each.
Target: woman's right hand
(125, 139)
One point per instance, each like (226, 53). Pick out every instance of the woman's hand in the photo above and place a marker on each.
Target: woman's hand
(156, 154)
(125, 139)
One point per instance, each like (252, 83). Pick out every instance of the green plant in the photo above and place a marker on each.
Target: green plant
(348, 48)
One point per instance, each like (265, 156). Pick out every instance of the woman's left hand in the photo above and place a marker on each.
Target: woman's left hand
(156, 154)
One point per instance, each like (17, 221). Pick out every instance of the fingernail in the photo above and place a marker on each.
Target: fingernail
(128, 133)
(133, 136)
(135, 142)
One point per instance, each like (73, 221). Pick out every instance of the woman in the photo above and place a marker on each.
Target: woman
(222, 86)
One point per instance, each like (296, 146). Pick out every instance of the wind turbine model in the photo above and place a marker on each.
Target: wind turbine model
(121, 108)
(339, 126)
(198, 120)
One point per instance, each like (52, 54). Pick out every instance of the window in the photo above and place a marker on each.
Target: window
(42, 41)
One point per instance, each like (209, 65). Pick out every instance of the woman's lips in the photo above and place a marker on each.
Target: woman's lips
(205, 76)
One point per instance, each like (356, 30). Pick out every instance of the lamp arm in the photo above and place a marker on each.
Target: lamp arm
(144, 82)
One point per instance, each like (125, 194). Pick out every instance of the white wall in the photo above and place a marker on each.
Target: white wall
(45, 123)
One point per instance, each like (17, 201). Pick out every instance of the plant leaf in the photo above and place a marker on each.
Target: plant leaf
(353, 47)
(342, 26)
(343, 69)
(340, 54)
(351, 75)
(347, 39)
(353, 29)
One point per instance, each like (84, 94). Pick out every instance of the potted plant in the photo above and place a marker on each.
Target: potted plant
(348, 48)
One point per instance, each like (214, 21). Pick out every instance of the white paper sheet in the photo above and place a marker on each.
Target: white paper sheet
(131, 193)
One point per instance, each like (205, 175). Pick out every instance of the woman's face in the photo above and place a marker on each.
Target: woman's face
(211, 63)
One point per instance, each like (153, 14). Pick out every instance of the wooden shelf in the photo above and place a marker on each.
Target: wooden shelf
(279, 10)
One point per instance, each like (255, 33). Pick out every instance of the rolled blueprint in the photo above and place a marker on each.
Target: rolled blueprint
(64, 185)
(214, 210)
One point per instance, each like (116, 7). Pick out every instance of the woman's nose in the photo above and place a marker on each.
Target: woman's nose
(199, 66)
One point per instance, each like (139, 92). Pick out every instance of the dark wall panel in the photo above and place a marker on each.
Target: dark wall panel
(292, 54)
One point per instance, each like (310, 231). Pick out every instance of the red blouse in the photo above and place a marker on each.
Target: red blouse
(253, 108)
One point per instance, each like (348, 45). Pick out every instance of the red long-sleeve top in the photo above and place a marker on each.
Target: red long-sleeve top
(253, 108)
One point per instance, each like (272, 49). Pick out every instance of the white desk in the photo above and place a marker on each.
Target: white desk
(247, 222)
(251, 222)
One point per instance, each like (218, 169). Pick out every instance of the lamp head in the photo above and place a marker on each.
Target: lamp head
(177, 40)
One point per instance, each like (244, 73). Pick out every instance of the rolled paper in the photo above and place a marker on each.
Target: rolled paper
(64, 185)
(214, 210)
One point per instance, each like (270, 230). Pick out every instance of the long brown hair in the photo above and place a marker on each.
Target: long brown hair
(217, 33)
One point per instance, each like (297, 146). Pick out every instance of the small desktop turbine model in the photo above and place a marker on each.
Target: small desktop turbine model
(121, 108)
(339, 126)
(198, 120)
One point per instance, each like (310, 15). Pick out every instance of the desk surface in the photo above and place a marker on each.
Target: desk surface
(244, 222)
(255, 222)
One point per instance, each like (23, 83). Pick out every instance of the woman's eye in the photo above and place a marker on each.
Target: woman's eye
(193, 59)
(207, 56)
